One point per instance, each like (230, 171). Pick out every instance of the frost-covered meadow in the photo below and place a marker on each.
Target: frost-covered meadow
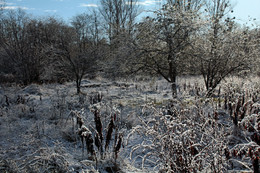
(173, 87)
(130, 126)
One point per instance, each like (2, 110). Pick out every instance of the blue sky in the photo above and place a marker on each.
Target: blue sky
(243, 9)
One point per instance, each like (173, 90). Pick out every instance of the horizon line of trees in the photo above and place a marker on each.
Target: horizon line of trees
(182, 37)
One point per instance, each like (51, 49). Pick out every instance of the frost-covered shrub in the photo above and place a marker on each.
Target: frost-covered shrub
(46, 160)
(32, 90)
(186, 140)
(99, 134)
(7, 165)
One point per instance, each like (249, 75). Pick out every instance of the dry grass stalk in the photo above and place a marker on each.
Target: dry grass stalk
(98, 124)
(118, 145)
(98, 143)
(111, 125)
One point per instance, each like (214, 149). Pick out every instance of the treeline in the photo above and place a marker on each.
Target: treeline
(182, 37)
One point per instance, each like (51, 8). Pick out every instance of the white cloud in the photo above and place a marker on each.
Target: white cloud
(50, 11)
(12, 6)
(88, 5)
(15, 7)
(5, 3)
(147, 2)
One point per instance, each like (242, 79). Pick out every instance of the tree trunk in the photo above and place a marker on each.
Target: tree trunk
(78, 89)
(173, 76)
(210, 92)
(78, 86)
(211, 85)
(174, 89)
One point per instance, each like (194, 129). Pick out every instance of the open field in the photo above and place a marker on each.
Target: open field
(143, 128)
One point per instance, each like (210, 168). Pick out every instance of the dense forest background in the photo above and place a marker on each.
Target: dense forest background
(196, 37)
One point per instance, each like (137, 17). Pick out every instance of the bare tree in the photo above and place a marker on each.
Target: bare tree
(255, 65)
(224, 49)
(164, 41)
(2, 5)
(88, 28)
(119, 16)
(75, 52)
(21, 42)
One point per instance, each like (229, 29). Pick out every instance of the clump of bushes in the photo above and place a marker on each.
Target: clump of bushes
(100, 142)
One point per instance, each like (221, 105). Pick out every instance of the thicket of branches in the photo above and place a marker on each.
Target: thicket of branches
(182, 37)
